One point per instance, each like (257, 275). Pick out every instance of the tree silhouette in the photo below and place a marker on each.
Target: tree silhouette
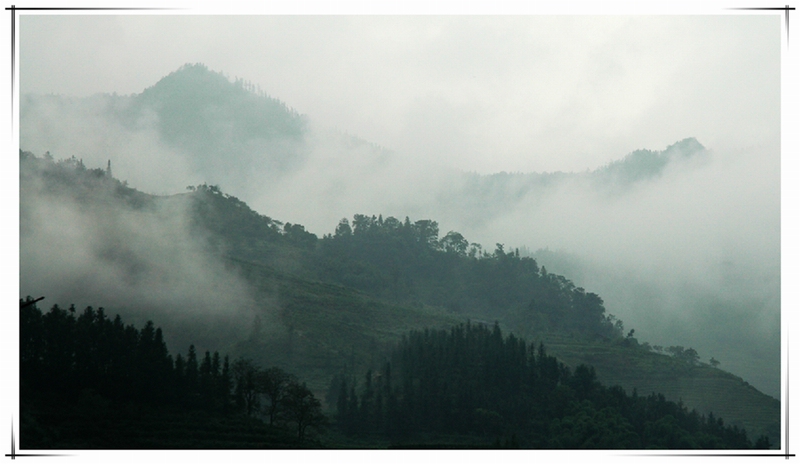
(274, 383)
(302, 409)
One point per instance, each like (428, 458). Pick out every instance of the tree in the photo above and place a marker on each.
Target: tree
(713, 362)
(191, 375)
(688, 355)
(763, 443)
(247, 389)
(361, 223)
(224, 386)
(297, 233)
(343, 229)
(427, 232)
(691, 356)
(302, 408)
(454, 242)
(274, 382)
(676, 351)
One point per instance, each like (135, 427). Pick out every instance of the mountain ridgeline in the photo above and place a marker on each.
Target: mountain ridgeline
(384, 318)
(196, 120)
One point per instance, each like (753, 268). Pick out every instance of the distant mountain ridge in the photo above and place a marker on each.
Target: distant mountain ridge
(204, 115)
(637, 166)
(484, 197)
(212, 120)
(641, 165)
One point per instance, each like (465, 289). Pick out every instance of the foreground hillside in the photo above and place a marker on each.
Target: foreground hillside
(327, 309)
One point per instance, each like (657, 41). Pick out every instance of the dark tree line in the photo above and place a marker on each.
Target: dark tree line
(65, 356)
(474, 383)
(63, 353)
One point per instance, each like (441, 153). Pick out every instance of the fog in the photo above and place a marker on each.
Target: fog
(144, 263)
(689, 257)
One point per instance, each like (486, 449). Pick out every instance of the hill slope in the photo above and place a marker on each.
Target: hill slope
(332, 306)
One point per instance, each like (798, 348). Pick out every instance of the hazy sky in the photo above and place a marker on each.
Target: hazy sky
(482, 93)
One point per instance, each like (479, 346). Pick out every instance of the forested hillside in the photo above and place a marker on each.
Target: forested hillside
(376, 293)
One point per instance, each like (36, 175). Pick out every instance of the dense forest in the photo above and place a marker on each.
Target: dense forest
(89, 381)
(370, 317)
(471, 386)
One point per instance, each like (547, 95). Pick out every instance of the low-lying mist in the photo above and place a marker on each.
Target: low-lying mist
(144, 262)
(689, 257)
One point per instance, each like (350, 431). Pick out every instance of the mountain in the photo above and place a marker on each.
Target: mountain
(197, 126)
(221, 276)
(201, 113)
(190, 124)
(677, 242)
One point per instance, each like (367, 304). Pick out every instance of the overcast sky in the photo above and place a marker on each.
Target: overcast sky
(482, 93)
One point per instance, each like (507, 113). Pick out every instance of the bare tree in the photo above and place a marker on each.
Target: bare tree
(303, 409)
(274, 383)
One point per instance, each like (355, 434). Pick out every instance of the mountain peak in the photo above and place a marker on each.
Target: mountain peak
(190, 79)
